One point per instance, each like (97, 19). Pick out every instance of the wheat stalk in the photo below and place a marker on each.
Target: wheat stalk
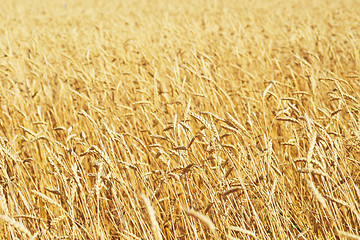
(152, 215)
(15, 224)
(203, 219)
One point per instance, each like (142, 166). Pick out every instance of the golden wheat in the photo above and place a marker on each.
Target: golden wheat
(245, 112)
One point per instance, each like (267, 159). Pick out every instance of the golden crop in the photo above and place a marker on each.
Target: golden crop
(185, 119)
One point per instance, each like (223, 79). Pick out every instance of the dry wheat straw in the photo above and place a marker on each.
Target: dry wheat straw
(158, 137)
(185, 126)
(313, 171)
(242, 230)
(288, 119)
(231, 129)
(312, 161)
(46, 199)
(336, 200)
(348, 235)
(142, 103)
(99, 182)
(231, 190)
(237, 124)
(3, 201)
(28, 131)
(203, 219)
(152, 215)
(180, 148)
(39, 138)
(17, 225)
(319, 197)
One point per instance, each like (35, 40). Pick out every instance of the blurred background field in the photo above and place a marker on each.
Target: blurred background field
(179, 119)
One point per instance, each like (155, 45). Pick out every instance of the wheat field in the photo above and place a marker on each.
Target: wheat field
(185, 119)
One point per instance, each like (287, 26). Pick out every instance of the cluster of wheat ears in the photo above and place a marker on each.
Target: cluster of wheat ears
(186, 119)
